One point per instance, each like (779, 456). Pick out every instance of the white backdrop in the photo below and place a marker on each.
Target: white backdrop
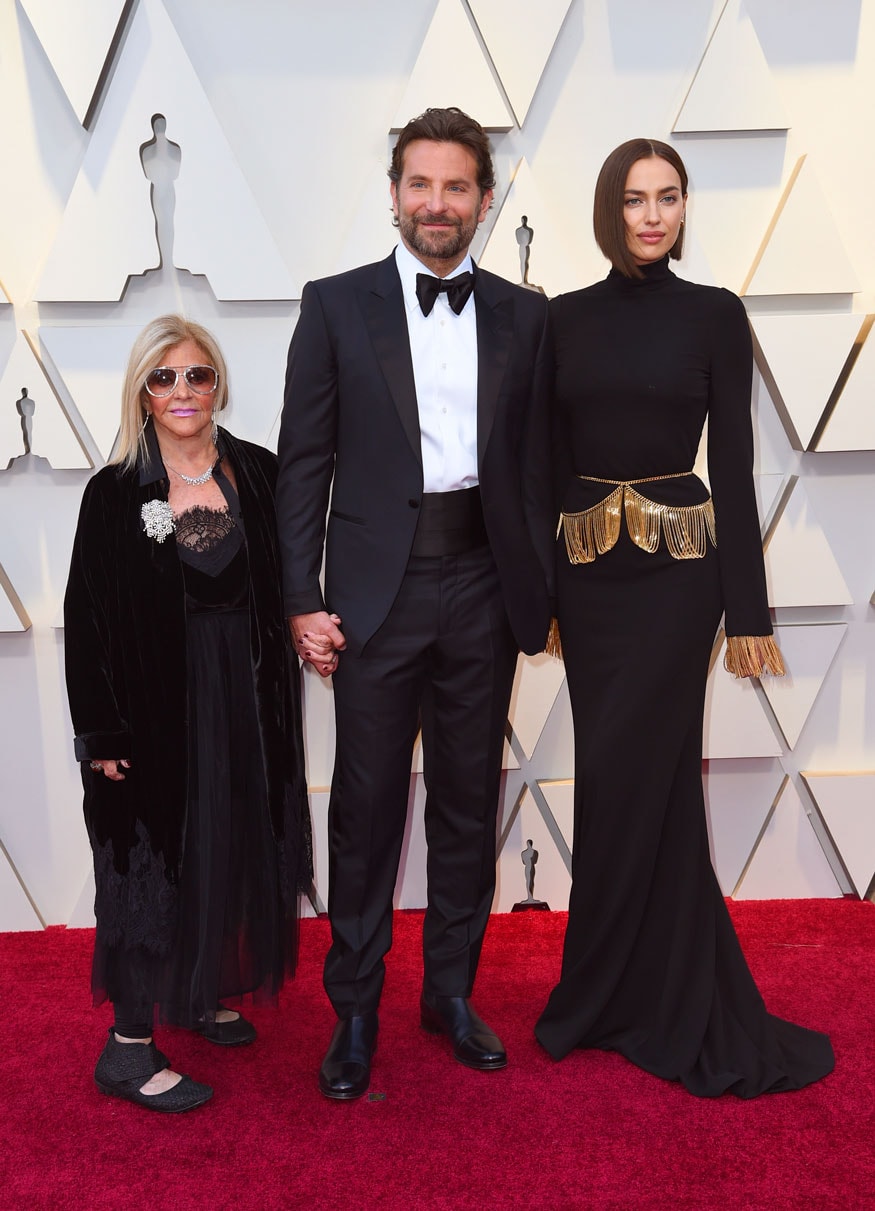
(279, 120)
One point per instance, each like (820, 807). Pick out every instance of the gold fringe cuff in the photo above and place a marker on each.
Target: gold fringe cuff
(554, 640)
(685, 528)
(753, 655)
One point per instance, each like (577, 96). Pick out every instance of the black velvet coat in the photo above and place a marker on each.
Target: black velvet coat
(125, 641)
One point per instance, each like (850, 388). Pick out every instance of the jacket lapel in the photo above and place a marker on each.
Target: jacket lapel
(494, 303)
(386, 320)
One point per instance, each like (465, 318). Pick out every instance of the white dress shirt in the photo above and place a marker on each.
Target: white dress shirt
(443, 347)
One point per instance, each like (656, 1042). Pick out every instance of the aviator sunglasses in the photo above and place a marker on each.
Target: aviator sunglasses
(162, 381)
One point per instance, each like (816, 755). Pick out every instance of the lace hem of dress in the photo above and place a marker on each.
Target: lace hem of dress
(137, 907)
(201, 529)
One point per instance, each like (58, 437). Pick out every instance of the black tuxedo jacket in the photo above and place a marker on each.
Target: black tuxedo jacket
(350, 432)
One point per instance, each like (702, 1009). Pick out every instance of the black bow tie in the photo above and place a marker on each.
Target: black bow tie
(458, 290)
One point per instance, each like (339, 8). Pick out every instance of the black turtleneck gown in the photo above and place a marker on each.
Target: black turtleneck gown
(651, 965)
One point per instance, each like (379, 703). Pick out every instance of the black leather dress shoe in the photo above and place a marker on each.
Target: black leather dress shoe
(346, 1070)
(474, 1043)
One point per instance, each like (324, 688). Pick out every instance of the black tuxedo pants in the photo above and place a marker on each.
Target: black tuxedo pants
(444, 658)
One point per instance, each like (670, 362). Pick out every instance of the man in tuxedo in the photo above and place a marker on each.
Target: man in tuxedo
(416, 402)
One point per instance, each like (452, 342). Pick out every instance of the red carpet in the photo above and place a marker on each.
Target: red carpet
(590, 1132)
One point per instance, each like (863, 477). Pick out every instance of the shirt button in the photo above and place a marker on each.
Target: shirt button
(414, 504)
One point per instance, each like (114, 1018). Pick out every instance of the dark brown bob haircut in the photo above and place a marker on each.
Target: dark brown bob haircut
(447, 126)
(610, 192)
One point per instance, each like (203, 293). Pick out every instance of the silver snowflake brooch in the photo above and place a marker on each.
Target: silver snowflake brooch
(157, 518)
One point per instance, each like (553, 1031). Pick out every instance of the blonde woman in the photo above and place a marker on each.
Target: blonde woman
(185, 705)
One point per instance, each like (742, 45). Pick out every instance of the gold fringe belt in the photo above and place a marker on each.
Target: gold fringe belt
(685, 528)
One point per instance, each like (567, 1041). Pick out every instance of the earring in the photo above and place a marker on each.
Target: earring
(144, 424)
(215, 433)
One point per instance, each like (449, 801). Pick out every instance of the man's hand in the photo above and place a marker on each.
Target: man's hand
(318, 639)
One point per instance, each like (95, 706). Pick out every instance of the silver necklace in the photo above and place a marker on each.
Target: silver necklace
(194, 480)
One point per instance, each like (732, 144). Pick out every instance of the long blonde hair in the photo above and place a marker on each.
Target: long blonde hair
(149, 351)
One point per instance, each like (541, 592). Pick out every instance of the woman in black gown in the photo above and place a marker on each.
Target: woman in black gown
(647, 564)
(185, 704)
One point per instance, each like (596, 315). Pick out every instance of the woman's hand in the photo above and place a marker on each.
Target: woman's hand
(317, 638)
(111, 769)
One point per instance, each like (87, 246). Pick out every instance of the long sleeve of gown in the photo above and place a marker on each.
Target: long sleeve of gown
(730, 469)
(101, 729)
(750, 651)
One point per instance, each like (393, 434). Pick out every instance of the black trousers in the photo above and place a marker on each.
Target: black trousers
(444, 658)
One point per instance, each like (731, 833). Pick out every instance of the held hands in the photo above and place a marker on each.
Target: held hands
(110, 769)
(318, 639)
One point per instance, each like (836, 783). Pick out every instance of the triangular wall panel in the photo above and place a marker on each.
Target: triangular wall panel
(847, 804)
(93, 253)
(804, 355)
(768, 491)
(13, 615)
(733, 88)
(536, 686)
(808, 653)
(735, 722)
(550, 264)
(519, 41)
(82, 914)
(789, 863)
(91, 361)
(370, 231)
(558, 794)
(802, 251)
(77, 60)
(801, 570)
(452, 70)
(852, 424)
(16, 910)
(739, 794)
(52, 435)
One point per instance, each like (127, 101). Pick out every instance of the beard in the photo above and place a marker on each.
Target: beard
(425, 240)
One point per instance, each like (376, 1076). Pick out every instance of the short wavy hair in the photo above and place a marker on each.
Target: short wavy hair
(149, 350)
(610, 190)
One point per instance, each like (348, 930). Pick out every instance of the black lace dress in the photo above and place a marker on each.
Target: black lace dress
(236, 931)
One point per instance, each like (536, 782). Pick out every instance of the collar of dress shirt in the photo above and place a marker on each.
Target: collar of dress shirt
(409, 266)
